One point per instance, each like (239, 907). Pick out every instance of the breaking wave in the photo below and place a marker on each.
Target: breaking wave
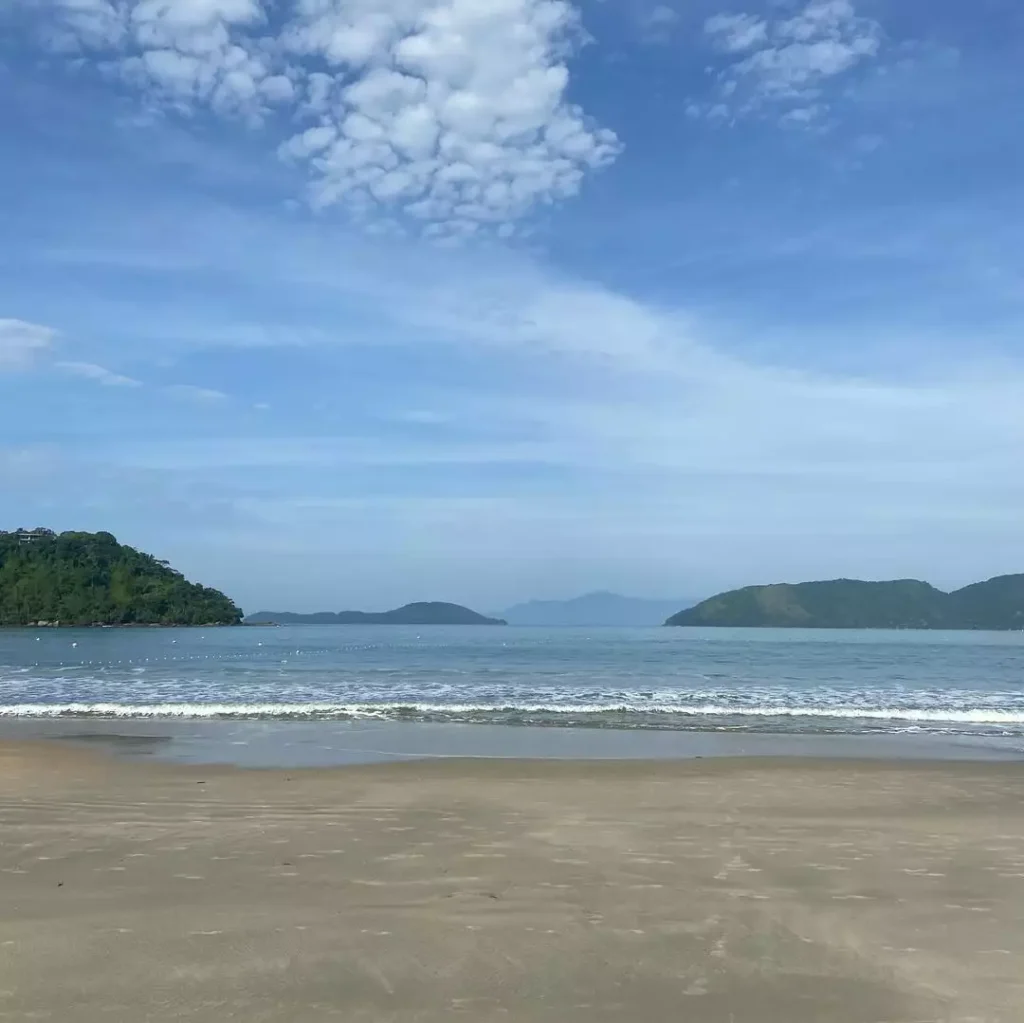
(641, 714)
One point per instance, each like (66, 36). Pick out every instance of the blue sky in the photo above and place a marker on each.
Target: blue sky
(352, 302)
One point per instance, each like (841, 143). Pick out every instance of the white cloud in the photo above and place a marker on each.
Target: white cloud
(90, 371)
(735, 33)
(72, 25)
(782, 66)
(200, 394)
(803, 115)
(658, 24)
(179, 52)
(21, 343)
(448, 115)
(452, 112)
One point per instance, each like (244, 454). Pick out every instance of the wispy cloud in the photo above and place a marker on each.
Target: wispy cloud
(188, 392)
(635, 432)
(658, 23)
(737, 33)
(445, 116)
(780, 67)
(25, 346)
(634, 388)
(90, 371)
(22, 343)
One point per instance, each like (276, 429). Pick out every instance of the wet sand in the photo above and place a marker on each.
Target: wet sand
(706, 891)
(294, 744)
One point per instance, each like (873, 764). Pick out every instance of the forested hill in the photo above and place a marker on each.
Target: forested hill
(997, 604)
(91, 579)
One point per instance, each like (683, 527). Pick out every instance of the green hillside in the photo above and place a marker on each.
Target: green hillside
(995, 604)
(854, 604)
(91, 579)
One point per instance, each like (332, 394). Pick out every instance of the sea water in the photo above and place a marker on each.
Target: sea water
(707, 680)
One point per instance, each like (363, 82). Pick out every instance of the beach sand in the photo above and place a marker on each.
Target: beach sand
(708, 891)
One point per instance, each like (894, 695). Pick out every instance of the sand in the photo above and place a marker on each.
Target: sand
(713, 891)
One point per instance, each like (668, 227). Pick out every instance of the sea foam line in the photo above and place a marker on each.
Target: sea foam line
(391, 710)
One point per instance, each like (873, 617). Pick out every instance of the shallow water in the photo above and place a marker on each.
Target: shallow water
(721, 680)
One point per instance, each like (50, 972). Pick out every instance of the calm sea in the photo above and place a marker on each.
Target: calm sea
(720, 680)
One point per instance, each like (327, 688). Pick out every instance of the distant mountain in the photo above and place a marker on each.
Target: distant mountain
(593, 609)
(853, 604)
(422, 613)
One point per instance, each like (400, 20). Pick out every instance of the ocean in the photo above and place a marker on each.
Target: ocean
(702, 680)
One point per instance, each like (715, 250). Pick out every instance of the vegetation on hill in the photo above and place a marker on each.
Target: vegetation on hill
(853, 604)
(421, 613)
(91, 579)
(995, 604)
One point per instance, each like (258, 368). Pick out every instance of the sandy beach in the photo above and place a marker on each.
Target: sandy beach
(708, 891)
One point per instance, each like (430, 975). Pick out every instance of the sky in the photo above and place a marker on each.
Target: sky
(347, 303)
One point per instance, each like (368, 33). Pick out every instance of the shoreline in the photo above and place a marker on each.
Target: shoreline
(718, 890)
(842, 629)
(64, 626)
(326, 744)
(114, 753)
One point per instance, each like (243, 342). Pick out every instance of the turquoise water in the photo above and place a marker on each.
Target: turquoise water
(721, 680)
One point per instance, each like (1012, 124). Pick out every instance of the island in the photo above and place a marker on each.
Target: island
(75, 579)
(419, 613)
(997, 604)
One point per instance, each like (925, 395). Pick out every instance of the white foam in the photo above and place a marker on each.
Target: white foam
(392, 710)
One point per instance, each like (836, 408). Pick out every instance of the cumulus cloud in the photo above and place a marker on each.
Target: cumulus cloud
(449, 115)
(782, 65)
(90, 371)
(455, 114)
(181, 53)
(73, 25)
(22, 343)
